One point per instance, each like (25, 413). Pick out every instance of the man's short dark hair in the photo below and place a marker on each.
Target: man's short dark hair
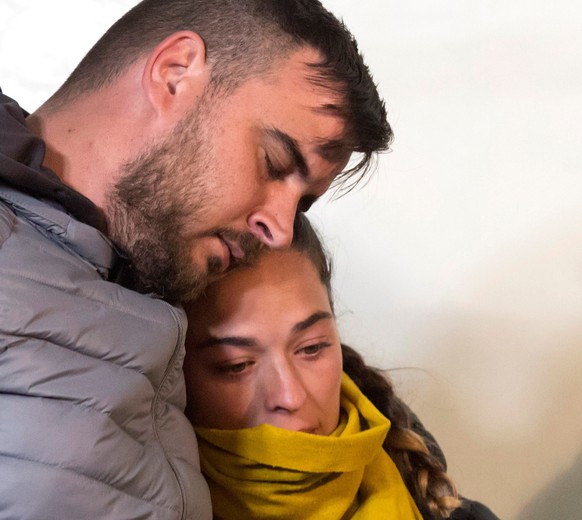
(244, 38)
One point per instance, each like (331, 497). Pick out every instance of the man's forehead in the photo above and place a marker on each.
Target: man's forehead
(309, 110)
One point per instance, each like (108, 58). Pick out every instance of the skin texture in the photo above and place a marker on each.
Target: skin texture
(263, 348)
(190, 182)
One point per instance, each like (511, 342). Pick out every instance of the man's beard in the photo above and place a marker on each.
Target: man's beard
(160, 194)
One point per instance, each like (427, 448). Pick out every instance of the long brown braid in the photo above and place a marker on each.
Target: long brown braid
(414, 451)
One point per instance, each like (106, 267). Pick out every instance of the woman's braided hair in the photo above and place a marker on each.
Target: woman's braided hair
(414, 451)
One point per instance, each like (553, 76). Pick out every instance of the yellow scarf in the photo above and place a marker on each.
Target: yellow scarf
(270, 473)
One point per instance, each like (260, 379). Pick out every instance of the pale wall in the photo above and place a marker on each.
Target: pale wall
(462, 257)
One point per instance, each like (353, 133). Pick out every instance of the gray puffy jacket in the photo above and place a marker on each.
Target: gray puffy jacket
(91, 384)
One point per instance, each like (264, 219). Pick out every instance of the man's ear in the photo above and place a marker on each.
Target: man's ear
(176, 72)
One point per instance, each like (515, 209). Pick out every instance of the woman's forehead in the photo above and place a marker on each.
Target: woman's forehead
(279, 278)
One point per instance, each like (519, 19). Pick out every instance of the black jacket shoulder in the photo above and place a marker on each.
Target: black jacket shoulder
(472, 510)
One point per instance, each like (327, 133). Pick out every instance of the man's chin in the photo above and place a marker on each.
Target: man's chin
(182, 288)
(191, 283)
(215, 267)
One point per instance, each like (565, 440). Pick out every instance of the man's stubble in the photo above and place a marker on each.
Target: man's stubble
(161, 196)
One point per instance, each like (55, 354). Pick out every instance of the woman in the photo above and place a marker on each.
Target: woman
(283, 432)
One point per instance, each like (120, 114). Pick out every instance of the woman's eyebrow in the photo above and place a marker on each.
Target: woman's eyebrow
(242, 341)
(314, 318)
(235, 341)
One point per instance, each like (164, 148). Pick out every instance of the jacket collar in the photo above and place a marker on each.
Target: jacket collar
(21, 158)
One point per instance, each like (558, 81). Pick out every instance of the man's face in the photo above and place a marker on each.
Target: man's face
(227, 180)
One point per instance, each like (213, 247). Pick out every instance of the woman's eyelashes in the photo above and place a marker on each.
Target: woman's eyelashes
(310, 352)
(234, 369)
(315, 350)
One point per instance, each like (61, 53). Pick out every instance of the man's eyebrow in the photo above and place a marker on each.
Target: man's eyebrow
(332, 150)
(235, 341)
(314, 318)
(292, 148)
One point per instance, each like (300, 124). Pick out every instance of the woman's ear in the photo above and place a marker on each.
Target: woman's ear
(176, 73)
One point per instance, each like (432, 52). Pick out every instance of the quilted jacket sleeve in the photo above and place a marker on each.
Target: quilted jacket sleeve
(91, 385)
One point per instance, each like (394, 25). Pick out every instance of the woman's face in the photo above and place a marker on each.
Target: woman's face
(263, 348)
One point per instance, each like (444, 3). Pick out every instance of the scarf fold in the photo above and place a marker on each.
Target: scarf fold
(271, 473)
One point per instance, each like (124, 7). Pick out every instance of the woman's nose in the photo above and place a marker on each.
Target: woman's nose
(285, 391)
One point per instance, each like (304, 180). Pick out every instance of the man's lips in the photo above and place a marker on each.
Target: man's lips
(236, 251)
(239, 248)
(233, 253)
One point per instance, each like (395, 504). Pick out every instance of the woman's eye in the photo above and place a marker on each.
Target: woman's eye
(236, 368)
(274, 173)
(313, 350)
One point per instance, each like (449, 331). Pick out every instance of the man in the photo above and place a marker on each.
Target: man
(185, 140)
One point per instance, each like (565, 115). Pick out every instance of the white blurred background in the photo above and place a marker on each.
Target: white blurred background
(459, 264)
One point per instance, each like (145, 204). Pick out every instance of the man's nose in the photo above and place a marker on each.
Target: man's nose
(285, 389)
(272, 223)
